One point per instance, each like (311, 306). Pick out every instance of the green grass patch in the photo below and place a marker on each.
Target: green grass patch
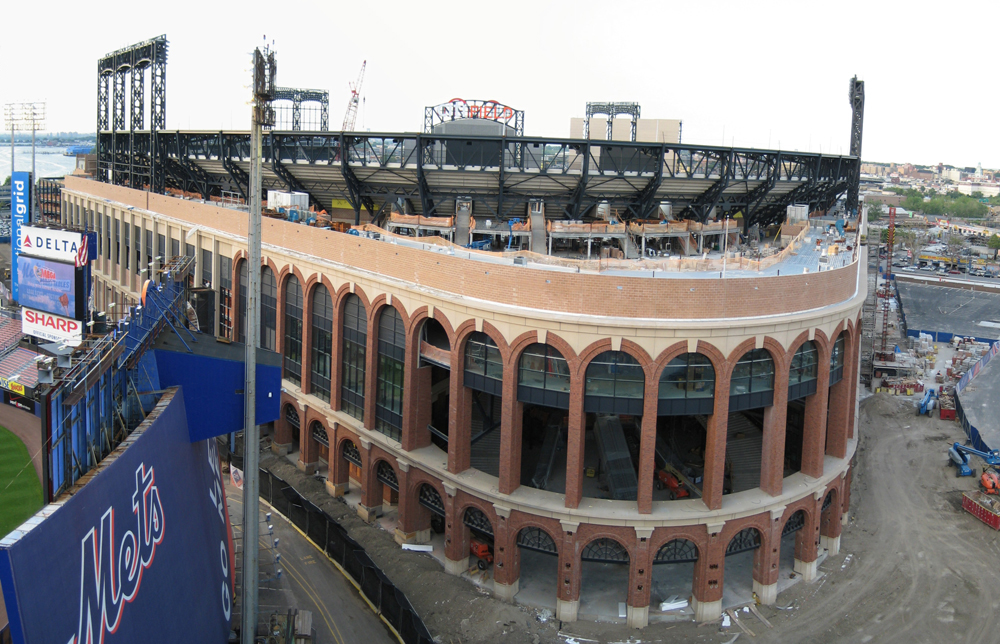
(20, 491)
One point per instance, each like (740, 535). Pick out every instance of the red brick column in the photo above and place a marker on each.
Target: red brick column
(640, 579)
(570, 567)
(511, 419)
(307, 339)
(336, 352)
(279, 317)
(339, 472)
(814, 422)
(829, 523)
(456, 535)
(717, 424)
(577, 425)
(371, 371)
(459, 416)
(772, 458)
(839, 414)
(282, 429)
(708, 572)
(845, 505)
(852, 387)
(506, 569)
(413, 522)
(308, 447)
(766, 559)
(416, 394)
(807, 545)
(647, 447)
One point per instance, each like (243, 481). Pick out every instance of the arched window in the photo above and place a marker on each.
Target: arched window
(319, 434)
(322, 342)
(293, 331)
(837, 359)
(802, 372)
(752, 382)
(241, 314)
(352, 390)
(483, 364)
(389, 387)
(268, 309)
(687, 386)
(615, 384)
(543, 377)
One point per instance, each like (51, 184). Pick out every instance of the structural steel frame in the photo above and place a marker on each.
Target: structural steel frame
(298, 96)
(503, 174)
(130, 154)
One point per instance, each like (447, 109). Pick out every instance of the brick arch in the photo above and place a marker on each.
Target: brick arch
(239, 256)
(773, 347)
(293, 406)
(417, 477)
(663, 536)
(268, 262)
(346, 438)
(289, 271)
(587, 533)
(761, 522)
(372, 465)
(414, 325)
(808, 506)
(468, 501)
(341, 295)
(381, 302)
(467, 328)
(309, 286)
(528, 338)
(598, 347)
(677, 349)
(520, 520)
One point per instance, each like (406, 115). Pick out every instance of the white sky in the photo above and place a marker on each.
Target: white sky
(757, 74)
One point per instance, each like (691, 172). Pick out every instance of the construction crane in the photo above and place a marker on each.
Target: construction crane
(352, 104)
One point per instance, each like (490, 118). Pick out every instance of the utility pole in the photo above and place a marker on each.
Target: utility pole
(262, 116)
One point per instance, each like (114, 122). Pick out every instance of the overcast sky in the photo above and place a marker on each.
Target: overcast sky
(757, 74)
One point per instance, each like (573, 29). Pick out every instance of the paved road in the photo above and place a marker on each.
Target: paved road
(311, 582)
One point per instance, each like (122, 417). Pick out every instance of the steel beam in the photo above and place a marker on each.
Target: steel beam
(856, 96)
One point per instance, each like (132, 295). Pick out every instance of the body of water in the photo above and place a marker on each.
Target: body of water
(49, 161)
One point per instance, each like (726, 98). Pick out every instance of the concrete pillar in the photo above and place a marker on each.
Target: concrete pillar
(568, 593)
(647, 444)
(337, 476)
(715, 444)
(456, 536)
(511, 419)
(506, 572)
(772, 458)
(814, 421)
(706, 592)
(640, 581)
(577, 425)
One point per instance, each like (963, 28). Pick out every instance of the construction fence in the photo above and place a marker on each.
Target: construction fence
(330, 537)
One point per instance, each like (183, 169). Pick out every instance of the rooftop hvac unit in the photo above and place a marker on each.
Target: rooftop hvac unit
(520, 261)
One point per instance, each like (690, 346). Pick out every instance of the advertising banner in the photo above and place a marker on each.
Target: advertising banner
(60, 245)
(25, 404)
(51, 286)
(54, 328)
(138, 553)
(20, 215)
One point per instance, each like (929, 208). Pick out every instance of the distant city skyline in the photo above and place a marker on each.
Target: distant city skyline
(766, 75)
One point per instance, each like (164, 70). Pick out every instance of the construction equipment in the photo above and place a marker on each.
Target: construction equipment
(482, 550)
(352, 104)
(927, 403)
(666, 478)
(959, 455)
(989, 482)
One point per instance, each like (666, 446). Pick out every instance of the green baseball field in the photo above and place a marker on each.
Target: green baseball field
(20, 491)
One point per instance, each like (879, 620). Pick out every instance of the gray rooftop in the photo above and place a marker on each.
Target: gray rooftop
(981, 400)
(946, 309)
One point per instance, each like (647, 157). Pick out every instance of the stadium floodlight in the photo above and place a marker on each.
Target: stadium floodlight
(24, 117)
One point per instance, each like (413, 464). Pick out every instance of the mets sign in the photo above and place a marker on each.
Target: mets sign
(139, 552)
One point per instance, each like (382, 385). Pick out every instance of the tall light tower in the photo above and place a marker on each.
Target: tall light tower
(262, 116)
(25, 117)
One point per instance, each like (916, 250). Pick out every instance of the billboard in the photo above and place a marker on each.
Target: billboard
(139, 552)
(20, 215)
(53, 287)
(54, 328)
(52, 243)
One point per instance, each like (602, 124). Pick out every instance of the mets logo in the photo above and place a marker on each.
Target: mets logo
(111, 568)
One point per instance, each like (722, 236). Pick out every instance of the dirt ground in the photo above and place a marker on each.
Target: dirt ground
(913, 566)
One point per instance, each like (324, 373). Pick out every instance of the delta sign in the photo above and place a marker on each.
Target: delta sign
(140, 551)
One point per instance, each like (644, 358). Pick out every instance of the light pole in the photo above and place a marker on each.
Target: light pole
(24, 117)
